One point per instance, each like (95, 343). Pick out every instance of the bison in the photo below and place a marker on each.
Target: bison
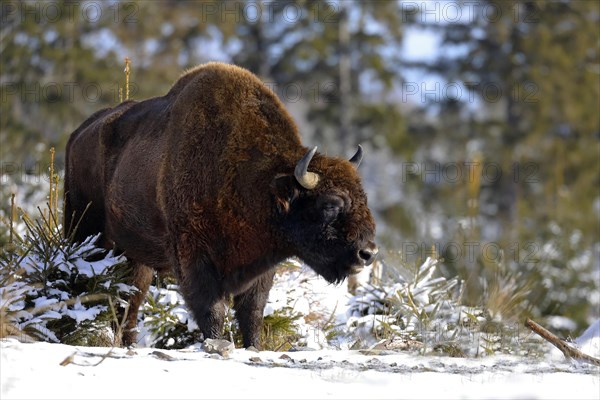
(212, 182)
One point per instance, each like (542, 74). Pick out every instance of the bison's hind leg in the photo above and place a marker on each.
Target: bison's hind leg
(141, 279)
(249, 308)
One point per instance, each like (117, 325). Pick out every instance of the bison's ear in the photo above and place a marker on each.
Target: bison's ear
(285, 190)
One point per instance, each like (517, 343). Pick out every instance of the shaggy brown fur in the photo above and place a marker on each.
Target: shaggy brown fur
(202, 181)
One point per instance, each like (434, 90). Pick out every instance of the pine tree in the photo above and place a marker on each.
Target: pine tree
(533, 66)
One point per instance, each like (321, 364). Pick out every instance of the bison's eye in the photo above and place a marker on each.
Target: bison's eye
(330, 208)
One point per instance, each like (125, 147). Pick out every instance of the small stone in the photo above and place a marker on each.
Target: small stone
(163, 356)
(255, 359)
(374, 361)
(374, 352)
(218, 346)
(252, 349)
(319, 359)
(285, 357)
(303, 361)
(301, 348)
(131, 352)
(67, 360)
(394, 364)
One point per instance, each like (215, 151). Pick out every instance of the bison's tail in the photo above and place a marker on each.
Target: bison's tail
(69, 216)
(72, 214)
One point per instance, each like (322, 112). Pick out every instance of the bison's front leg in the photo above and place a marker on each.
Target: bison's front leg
(203, 295)
(249, 307)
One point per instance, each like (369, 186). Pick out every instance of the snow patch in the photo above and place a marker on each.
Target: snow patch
(589, 341)
(309, 375)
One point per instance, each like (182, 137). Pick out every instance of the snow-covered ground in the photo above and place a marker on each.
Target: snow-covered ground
(34, 370)
(56, 371)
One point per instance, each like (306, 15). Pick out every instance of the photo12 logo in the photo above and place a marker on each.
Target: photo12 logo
(48, 12)
(32, 173)
(467, 92)
(472, 251)
(313, 92)
(468, 12)
(69, 92)
(268, 11)
(468, 171)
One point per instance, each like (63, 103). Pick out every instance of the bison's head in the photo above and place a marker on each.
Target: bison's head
(324, 217)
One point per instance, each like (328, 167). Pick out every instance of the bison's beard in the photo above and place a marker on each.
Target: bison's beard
(333, 277)
(333, 270)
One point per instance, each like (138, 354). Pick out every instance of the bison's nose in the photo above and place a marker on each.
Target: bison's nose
(368, 254)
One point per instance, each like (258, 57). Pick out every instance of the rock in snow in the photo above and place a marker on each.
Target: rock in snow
(218, 346)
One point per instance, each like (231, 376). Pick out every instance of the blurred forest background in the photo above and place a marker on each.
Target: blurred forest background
(480, 119)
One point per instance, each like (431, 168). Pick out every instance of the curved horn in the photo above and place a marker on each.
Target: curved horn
(357, 158)
(308, 180)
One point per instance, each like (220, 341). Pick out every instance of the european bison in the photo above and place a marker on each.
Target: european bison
(212, 181)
